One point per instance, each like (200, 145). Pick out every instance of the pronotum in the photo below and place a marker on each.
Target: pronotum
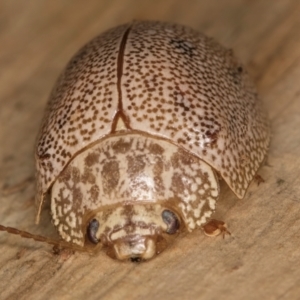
(139, 129)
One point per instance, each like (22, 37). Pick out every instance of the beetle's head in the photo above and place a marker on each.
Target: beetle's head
(134, 232)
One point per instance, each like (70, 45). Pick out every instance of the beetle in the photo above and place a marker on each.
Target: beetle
(138, 130)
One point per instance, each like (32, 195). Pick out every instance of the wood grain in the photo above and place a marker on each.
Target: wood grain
(261, 258)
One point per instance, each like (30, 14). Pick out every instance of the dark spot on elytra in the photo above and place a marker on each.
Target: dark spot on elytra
(182, 46)
(44, 156)
(181, 101)
(211, 137)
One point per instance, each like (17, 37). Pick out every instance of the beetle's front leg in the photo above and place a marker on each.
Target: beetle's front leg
(215, 228)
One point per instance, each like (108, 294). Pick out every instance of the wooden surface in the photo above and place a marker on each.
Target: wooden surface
(259, 261)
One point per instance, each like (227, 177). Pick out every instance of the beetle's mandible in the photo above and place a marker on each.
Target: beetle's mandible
(139, 128)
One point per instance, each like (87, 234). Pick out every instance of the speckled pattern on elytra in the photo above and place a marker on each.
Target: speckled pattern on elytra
(157, 81)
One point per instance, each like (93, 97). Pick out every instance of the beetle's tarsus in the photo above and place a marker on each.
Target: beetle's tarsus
(258, 179)
(215, 228)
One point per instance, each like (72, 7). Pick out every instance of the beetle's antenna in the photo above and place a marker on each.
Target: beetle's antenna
(43, 239)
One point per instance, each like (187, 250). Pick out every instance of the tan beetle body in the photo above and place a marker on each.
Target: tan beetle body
(138, 128)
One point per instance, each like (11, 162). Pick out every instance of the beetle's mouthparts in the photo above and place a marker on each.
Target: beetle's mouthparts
(137, 248)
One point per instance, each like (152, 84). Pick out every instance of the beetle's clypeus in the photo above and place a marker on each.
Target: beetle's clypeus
(139, 128)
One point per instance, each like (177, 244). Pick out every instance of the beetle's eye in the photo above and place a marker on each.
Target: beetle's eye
(171, 220)
(92, 230)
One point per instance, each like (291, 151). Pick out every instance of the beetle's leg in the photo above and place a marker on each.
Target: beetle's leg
(215, 227)
(258, 179)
